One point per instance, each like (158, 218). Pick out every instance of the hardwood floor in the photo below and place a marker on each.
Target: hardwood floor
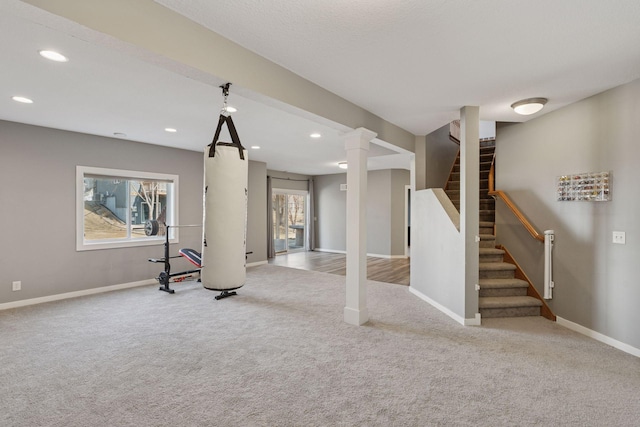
(378, 269)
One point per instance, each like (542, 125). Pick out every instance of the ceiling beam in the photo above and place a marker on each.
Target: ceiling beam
(151, 27)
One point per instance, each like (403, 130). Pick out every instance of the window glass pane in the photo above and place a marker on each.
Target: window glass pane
(148, 202)
(105, 208)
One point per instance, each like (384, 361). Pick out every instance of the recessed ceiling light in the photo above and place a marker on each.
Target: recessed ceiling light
(119, 134)
(172, 130)
(529, 106)
(342, 165)
(255, 147)
(53, 55)
(315, 135)
(22, 99)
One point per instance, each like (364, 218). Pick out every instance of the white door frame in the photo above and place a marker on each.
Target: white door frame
(305, 193)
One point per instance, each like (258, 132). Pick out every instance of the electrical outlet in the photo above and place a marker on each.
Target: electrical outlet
(619, 237)
(16, 286)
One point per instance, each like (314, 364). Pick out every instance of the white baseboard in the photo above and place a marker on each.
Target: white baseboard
(466, 322)
(67, 295)
(388, 256)
(333, 251)
(476, 321)
(337, 251)
(257, 263)
(598, 336)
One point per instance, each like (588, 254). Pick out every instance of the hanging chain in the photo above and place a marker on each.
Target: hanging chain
(225, 92)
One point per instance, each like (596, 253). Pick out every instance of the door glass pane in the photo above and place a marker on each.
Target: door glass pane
(279, 223)
(296, 216)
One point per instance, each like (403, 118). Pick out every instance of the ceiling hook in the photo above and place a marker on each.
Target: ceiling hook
(225, 89)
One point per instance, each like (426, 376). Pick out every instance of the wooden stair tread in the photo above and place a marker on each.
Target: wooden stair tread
(502, 283)
(508, 302)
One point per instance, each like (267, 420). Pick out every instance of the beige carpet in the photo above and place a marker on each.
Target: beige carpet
(279, 354)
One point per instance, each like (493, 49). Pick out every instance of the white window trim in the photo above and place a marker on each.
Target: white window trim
(172, 203)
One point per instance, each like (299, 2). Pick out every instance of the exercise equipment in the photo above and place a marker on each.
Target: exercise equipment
(225, 211)
(152, 228)
(193, 256)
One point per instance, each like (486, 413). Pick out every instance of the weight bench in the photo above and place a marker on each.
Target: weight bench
(164, 276)
(192, 255)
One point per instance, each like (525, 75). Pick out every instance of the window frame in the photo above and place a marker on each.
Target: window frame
(171, 202)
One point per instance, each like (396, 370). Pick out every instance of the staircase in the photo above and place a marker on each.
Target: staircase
(501, 294)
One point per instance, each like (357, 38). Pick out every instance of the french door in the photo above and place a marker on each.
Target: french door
(289, 220)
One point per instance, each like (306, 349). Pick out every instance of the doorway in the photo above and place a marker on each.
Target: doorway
(289, 220)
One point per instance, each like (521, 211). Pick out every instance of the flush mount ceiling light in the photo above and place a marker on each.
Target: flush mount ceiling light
(255, 147)
(22, 99)
(170, 130)
(315, 135)
(53, 55)
(529, 106)
(230, 109)
(342, 165)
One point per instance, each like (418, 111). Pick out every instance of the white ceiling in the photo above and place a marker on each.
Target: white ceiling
(414, 63)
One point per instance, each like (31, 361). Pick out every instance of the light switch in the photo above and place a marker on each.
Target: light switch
(619, 237)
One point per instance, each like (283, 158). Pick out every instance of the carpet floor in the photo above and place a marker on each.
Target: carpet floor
(279, 354)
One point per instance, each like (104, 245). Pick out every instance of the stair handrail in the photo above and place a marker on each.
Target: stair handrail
(514, 209)
(454, 131)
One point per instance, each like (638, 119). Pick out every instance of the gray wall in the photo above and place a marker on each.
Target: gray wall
(331, 212)
(379, 212)
(399, 179)
(441, 153)
(257, 212)
(435, 154)
(385, 212)
(595, 280)
(421, 162)
(38, 214)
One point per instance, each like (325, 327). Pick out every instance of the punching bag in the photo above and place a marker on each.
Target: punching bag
(225, 212)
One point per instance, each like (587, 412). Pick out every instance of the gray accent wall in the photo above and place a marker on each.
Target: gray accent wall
(385, 212)
(596, 281)
(38, 213)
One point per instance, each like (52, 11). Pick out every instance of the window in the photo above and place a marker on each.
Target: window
(112, 207)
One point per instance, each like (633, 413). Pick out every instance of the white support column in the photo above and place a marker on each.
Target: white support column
(470, 205)
(357, 146)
